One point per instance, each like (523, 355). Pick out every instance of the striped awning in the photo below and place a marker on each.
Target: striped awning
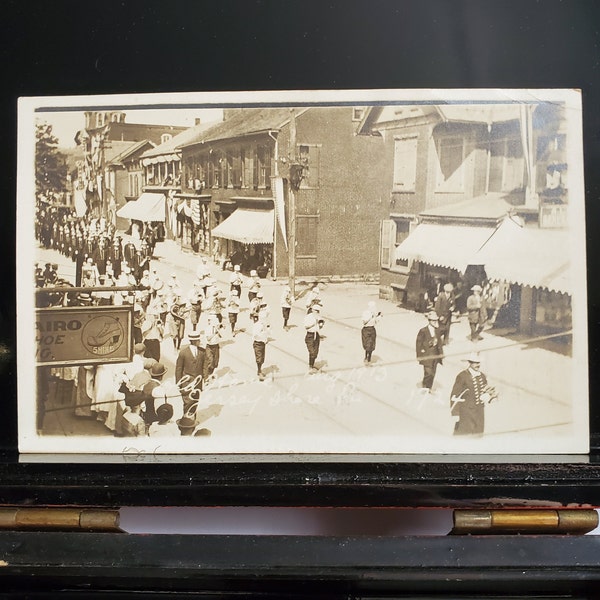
(147, 208)
(528, 256)
(248, 226)
(443, 245)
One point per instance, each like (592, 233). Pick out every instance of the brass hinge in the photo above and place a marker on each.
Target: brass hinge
(63, 519)
(524, 521)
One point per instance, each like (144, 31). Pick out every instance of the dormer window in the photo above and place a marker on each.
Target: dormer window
(358, 113)
(165, 137)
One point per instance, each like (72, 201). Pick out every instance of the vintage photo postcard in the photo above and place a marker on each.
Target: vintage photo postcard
(321, 272)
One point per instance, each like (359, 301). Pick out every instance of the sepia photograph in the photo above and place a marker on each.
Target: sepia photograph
(302, 272)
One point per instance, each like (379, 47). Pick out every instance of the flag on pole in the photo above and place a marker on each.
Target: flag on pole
(278, 198)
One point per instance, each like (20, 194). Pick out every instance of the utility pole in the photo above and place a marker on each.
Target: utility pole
(292, 209)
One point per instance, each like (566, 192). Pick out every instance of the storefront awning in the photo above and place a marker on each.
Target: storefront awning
(148, 207)
(248, 226)
(528, 256)
(443, 245)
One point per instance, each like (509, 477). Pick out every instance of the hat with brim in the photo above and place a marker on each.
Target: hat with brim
(473, 358)
(164, 412)
(476, 288)
(193, 336)
(432, 316)
(186, 423)
(133, 399)
(139, 348)
(149, 363)
(158, 370)
(139, 380)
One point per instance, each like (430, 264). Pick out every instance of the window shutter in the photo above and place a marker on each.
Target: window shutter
(405, 164)
(388, 239)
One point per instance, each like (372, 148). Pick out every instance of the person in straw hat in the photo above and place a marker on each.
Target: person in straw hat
(477, 313)
(470, 393)
(429, 349)
(189, 368)
(444, 307)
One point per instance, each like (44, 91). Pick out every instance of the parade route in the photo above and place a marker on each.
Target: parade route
(346, 398)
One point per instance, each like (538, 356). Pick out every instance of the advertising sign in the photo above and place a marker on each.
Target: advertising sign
(83, 335)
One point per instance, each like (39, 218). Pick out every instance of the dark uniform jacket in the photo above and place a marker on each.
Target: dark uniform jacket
(189, 365)
(466, 403)
(429, 348)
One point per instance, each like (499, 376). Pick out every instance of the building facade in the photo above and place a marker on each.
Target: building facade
(264, 177)
(453, 175)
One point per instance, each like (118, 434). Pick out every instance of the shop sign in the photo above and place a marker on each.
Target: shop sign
(83, 335)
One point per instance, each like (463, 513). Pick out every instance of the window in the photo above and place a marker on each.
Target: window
(165, 137)
(310, 154)
(507, 165)
(234, 168)
(358, 113)
(99, 119)
(264, 166)
(393, 233)
(306, 236)
(405, 164)
(247, 160)
(451, 156)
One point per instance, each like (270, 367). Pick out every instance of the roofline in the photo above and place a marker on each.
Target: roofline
(277, 128)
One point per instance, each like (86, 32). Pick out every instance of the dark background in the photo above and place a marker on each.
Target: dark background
(66, 47)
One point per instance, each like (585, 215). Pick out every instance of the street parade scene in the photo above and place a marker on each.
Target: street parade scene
(230, 292)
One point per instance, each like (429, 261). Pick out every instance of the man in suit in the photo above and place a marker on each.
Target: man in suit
(189, 369)
(429, 349)
(444, 307)
(470, 393)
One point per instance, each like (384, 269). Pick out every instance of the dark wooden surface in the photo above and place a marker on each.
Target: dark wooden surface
(301, 566)
(187, 481)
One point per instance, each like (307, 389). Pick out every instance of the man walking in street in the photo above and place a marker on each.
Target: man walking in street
(195, 299)
(444, 307)
(189, 369)
(477, 313)
(260, 336)
(235, 281)
(213, 337)
(429, 349)
(470, 393)
(370, 318)
(286, 305)
(313, 323)
(233, 308)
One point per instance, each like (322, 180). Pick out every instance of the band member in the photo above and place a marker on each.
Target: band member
(235, 281)
(233, 308)
(470, 393)
(370, 318)
(286, 305)
(313, 323)
(260, 335)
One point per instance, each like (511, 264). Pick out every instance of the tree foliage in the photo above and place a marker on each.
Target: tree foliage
(50, 163)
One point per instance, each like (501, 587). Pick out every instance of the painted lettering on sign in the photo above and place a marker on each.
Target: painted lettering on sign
(71, 336)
